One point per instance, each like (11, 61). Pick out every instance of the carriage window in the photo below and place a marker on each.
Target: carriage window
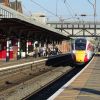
(80, 44)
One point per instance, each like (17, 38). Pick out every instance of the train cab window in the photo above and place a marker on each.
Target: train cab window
(80, 44)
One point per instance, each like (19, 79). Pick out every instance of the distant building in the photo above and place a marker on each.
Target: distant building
(4, 2)
(39, 17)
(16, 6)
(12, 4)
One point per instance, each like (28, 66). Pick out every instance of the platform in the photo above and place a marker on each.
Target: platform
(21, 61)
(86, 86)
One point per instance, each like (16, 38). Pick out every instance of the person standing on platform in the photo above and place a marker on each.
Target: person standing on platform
(35, 52)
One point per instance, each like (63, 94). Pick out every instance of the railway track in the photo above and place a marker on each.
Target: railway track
(47, 92)
(22, 80)
(14, 75)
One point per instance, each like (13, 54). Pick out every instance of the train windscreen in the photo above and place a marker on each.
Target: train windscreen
(80, 44)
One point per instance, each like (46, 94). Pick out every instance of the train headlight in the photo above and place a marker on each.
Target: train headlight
(73, 51)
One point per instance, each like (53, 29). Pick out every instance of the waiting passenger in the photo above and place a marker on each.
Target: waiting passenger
(35, 52)
(44, 51)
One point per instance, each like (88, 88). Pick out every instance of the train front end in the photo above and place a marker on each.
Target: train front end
(79, 52)
(80, 56)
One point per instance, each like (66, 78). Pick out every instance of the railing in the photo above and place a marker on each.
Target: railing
(5, 13)
(73, 25)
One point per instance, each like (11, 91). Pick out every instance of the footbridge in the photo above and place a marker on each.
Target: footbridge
(77, 28)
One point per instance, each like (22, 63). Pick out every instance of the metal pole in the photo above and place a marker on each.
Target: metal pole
(16, 5)
(94, 8)
(7, 50)
(94, 17)
(83, 15)
(18, 50)
(56, 7)
(27, 47)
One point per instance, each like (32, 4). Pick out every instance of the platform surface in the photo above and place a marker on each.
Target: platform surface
(21, 61)
(86, 86)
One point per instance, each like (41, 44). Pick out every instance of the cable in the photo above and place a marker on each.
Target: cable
(45, 9)
(64, 1)
(70, 11)
(91, 3)
(27, 9)
(68, 6)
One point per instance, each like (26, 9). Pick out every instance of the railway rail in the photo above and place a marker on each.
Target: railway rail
(48, 93)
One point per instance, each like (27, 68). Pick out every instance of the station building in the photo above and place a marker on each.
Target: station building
(18, 45)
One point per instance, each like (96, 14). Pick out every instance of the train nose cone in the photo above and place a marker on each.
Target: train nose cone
(80, 56)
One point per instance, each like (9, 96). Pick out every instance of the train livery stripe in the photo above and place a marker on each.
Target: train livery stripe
(68, 83)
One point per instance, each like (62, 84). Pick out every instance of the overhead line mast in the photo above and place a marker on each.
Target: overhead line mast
(16, 5)
(94, 8)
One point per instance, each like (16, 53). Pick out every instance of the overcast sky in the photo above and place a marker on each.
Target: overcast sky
(69, 9)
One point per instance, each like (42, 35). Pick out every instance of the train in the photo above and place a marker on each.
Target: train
(82, 50)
